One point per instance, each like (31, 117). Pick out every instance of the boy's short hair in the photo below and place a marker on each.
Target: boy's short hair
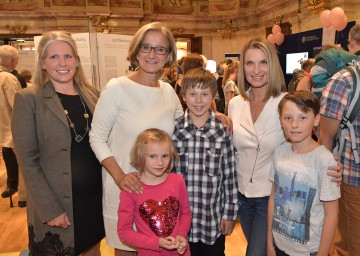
(138, 151)
(26, 74)
(200, 78)
(306, 101)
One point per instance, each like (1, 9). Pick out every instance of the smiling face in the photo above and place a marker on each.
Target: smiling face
(297, 125)
(152, 62)
(256, 67)
(157, 159)
(60, 64)
(198, 102)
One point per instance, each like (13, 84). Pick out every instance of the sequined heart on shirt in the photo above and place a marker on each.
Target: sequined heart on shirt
(160, 216)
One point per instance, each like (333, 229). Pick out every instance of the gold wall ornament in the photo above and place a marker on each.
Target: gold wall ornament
(17, 29)
(228, 29)
(317, 6)
(180, 2)
(176, 31)
(99, 23)
(277, 20)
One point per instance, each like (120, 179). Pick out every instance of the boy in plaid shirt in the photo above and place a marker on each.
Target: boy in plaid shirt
(207, 162)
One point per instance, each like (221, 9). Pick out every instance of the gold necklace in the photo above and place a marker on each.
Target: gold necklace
(79, 138)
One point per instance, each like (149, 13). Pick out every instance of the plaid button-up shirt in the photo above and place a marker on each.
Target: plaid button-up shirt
(335, 102)
(207, 162)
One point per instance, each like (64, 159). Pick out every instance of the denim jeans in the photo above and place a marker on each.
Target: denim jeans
(253, 221)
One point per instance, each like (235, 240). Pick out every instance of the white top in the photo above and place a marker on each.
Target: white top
(301, 181)
(255, 144)
(124, 110)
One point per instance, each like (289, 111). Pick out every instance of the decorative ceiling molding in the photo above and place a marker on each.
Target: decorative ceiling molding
(99, 23)
(277, 20)
(17, 29)
(316, 6)
(228, 29)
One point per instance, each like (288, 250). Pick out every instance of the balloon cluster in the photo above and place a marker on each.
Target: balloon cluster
(276, 37)
(336, 18)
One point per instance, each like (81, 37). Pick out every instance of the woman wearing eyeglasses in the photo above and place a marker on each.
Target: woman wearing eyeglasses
(127, 106)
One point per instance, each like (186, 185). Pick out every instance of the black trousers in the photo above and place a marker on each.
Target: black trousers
(12, 168)
(201, 249)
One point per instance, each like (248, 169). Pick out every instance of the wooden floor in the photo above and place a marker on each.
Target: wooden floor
(13, 228)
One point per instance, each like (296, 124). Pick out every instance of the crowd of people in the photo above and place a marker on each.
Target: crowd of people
(168, 157)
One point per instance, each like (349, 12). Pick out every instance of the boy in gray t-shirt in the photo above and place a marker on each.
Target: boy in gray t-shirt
(303, 205)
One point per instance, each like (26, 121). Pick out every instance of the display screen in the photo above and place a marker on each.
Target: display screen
(294, 60)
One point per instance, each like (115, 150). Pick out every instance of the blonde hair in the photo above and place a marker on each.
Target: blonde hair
(140, 35)
(276, 81)
(41, 76)
(138, 151)
(7, 54)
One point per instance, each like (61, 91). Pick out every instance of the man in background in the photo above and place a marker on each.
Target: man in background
(9, 86)
(354, 40)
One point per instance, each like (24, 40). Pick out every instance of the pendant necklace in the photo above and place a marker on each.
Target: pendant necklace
(79, 138)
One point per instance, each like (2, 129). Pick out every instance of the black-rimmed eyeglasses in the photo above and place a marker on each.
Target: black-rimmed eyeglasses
(145, 48)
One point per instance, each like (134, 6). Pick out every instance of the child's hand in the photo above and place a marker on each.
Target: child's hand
(182, 244)
(168, 243)
(227, 226)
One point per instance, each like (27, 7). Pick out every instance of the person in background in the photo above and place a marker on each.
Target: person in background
(50, 126)
(170, 75)
(9, 86)
(191, 61)
(354, 40)
(207, 162)
(335, 101)
(157, 228)
(256, 134)
(305, 82)
(230, 87)
(26, 74)
(220, 98)
(303, 196)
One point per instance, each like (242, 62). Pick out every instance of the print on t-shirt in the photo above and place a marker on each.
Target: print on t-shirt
(293, 198)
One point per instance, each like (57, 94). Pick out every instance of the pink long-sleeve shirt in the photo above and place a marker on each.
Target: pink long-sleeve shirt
(152, 212)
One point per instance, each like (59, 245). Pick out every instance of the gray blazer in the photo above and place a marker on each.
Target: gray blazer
(42, 139)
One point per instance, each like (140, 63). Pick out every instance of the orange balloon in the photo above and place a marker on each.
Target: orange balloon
(337, 16)
(271, 38)
(325, 18)
(276, 29)
(342, 26)
(279, 38)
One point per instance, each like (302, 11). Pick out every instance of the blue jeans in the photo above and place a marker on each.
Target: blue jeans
(253, 221)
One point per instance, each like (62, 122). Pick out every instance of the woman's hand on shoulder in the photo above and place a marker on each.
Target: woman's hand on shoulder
(131, 183)
(226, 121)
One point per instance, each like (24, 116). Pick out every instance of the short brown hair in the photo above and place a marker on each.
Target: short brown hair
(191, 61)
(138, 151)
(26, 74)
(200, 78)
(139, 37)
(306, 101)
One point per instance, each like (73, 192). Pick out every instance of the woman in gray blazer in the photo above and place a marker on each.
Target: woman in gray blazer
(50, 126)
